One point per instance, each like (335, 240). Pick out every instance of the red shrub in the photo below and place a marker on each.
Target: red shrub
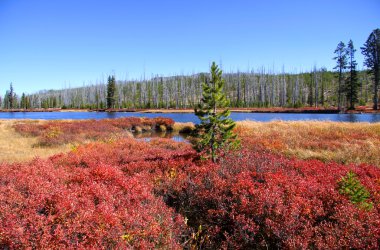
(61, 132)
(132, 194)
(255, 200)
(167, 122)
(85, 200)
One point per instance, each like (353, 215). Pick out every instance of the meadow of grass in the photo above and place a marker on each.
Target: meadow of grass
(325, 141)
(15, 147)
(53, 133)
(23, 140)
(122, 193)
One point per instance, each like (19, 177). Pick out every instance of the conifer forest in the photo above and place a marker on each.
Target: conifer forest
(317, 88)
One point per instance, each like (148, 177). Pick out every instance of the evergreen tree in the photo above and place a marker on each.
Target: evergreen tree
(6, 100)
(23, 101)
(215, 129)
(15, 101)
(310, 90)
(11, 96)
(350, 186)
(352, 84)
(111, 88)
(341, 63)
(27, 102)
(371, 52)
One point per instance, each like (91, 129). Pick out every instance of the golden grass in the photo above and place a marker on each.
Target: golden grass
(183, 127)
(327, 141)
(17, 148)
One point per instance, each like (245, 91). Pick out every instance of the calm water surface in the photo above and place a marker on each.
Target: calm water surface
(148, 136)
(190, 117)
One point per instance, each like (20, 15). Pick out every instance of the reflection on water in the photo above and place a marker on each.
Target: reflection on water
(147, 136)
(357, 118)
(190, 117)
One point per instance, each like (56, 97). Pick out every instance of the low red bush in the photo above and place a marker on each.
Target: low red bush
(86, 200)
(160, 194)
(259, 200)
(61, 132)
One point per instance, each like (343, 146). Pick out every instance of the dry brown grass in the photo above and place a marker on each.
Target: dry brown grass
(327, 141)
(17, 148)
(183, 127)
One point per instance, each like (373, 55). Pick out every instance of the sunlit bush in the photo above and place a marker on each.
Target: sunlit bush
(161, 194)
(95, 197)
(259, 200)
(61, 132)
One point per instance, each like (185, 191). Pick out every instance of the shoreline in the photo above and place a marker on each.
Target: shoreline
(307, 110)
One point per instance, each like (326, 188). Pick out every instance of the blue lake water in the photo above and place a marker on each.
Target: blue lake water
(190, 117)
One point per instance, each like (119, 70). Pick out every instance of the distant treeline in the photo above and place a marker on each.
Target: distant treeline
(344, 88)
(317, 88)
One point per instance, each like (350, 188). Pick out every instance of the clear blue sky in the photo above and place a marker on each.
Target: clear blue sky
(49, 44)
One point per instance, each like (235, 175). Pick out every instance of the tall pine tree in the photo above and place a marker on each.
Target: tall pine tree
(352, 83)
(215, 130)
(23, 101)
(11, 97)
(341, 63)
(371, 52)
(111, 88)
